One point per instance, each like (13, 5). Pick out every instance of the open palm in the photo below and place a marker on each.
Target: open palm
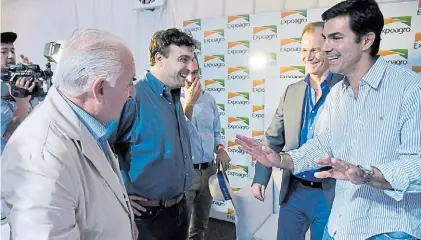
(262, 153)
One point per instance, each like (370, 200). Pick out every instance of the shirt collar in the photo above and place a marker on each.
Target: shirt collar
(157, 86)
(327, 80)
(374, 75)
(97, 129)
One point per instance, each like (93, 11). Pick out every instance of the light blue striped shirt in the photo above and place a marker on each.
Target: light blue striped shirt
(382, 128)
(204, 129)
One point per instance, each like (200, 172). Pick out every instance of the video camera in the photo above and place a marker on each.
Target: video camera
(41, 77)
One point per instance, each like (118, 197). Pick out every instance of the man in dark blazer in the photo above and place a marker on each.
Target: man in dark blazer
(305, 201)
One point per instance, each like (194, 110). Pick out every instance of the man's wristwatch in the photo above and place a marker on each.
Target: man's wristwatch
(367, 173)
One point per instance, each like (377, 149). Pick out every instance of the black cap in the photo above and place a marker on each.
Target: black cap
(8, 37)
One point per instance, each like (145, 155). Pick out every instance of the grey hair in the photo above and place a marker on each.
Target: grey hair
(90, 54)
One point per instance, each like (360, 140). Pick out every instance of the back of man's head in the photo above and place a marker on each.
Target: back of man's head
(90, 54)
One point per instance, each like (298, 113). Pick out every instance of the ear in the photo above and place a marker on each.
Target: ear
(368, 40)
(98, 90)
(158, 57)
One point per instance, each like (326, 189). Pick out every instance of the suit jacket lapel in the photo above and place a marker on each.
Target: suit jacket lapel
(111, 175)
(293, 109)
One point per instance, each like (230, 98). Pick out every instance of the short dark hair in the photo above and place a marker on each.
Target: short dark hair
(364, 16)
(311, 26)
(161, 41)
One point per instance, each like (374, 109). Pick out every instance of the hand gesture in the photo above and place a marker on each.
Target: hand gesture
(258, 191)
(193, 92)
(262, 153)
(223, 158)
(136, 204)
(340, 170)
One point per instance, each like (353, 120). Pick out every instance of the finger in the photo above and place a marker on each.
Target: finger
(137, 206)
(33, 84)
(27, 83)
(242, 143)
(324, 174)
(326, 160)
(266, 149)
(136, 198)
(135, 212)
(340, 165)
(246, 150)
(263, 192)
(249, 141)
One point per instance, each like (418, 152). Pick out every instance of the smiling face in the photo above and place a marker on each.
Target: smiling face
(175, 66)
(343, 47)
(311, 52)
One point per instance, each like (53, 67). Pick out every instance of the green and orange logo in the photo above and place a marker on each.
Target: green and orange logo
(268, 32)
(293, 72)
(215, 85)
(238, 171)
(221, 108)
(239, 47)
(293, 17)
(395, 56)
(257, 136)
(290, 45)
(238, 123)
(233, 148)
(238, 21)
(238, 73)
(258, 111)
(417, 41)
(193, 25)
(397, 25)
(238, 98)
(213, 36)
(214, 61)
(259, 85)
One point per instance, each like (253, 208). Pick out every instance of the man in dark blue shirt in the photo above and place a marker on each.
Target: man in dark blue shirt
(153, 143)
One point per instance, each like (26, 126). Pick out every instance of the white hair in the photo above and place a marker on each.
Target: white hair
(90, 54)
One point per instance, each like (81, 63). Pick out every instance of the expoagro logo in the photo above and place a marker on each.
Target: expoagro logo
(395, 56)
(238, 21)
(231, 214)
(218, 203)
(417, 41)
(233, 148)
(238, 123)
(258, 111)
(290, 45)
(223, 133)
(257, 136)
(214, 61)
(214, 36)
(238, 171)
(259, 86)
(265, 32)
(193, 25)
(239, 98)
(416, 69)
(238, 47)
(397, 25)
(270, 58)
(215, 85)
(293, 17)
(294, 72)
(238, 73)
(221, 109)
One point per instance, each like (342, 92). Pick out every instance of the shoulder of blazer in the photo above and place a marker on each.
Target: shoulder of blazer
(294, 87)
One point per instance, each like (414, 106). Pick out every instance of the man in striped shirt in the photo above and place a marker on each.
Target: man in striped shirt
(369, 133)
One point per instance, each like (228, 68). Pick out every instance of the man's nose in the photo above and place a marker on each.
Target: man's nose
(10, 54)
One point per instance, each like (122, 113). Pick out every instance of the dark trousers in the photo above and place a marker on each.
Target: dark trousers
(304, 208)
(167, 224)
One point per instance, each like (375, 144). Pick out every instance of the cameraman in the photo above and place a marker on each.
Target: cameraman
(13, 109)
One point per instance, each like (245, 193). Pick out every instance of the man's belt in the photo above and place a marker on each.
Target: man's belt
(308, 183)
(163, 203)
(201, 166)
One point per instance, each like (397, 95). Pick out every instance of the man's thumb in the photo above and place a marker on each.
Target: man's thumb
(263, 191)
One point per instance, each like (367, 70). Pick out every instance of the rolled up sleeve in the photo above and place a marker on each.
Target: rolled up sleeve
(404, 173)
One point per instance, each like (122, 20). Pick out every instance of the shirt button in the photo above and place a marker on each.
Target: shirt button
(169, 103)
(185, 157)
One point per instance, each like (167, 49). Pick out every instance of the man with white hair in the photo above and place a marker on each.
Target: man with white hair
(60, 179)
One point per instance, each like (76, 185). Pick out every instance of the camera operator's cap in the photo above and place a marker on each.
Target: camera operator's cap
(8, 37)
